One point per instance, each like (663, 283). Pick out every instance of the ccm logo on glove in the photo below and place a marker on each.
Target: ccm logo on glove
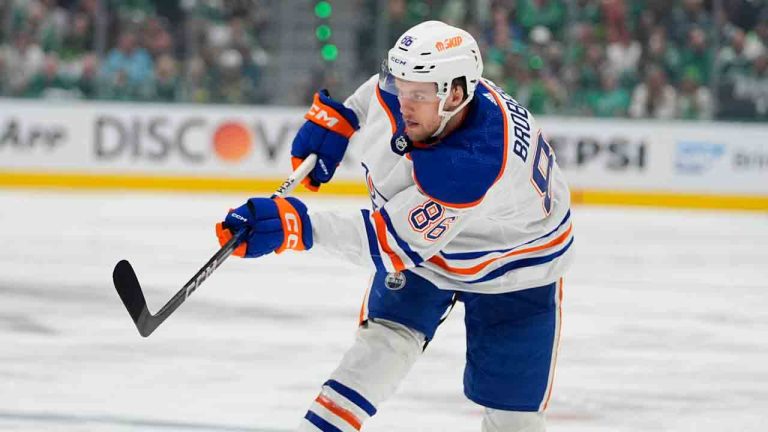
(291, 226)
(238, 217)
(327, 116)
(321, 116)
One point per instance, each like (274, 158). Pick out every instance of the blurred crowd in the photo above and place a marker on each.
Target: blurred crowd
(137, 50)
(689, 59)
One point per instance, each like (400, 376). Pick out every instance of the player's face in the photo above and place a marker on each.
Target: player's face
(418, 105)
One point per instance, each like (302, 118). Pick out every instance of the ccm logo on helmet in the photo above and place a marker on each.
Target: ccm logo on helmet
(397, 60)
(448, 43)
(322, 115)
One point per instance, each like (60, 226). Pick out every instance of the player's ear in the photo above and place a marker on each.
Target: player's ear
(458, 92)
(457, 95)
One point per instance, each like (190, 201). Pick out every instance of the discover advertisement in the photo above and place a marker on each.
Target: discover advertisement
(202, 145)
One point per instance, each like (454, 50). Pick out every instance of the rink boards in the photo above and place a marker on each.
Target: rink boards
(247, 148)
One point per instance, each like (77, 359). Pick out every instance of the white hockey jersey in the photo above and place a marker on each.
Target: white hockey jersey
(485, 210)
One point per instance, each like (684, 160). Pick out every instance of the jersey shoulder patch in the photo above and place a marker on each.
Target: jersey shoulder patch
(459, 170)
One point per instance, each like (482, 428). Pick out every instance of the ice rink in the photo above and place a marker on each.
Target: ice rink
(665, 324)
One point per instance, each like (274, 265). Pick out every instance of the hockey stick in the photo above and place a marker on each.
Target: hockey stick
(129, 289)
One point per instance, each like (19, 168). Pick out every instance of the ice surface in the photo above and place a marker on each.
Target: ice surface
(665, 324)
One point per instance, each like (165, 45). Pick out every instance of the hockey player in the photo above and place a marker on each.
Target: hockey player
(467, 203)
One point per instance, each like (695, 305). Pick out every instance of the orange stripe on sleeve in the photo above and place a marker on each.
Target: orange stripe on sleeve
(341, 412)
(440, 262)
(381, 234)
(386, 110)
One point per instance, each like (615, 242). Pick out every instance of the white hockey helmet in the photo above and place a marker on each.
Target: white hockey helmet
(435, 52)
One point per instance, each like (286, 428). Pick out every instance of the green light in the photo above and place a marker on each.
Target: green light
(329, 52)
(323, 32)
(323, 9)
(536, 62)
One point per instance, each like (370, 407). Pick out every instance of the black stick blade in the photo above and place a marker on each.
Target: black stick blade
(129, 290)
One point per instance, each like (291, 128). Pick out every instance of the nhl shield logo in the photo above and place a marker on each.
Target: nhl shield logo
(395, 281)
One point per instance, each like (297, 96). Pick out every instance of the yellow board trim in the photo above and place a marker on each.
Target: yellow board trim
(162, 183)
(351, 188)
(670, 199)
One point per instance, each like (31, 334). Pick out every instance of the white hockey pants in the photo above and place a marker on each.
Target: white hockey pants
(369, 374)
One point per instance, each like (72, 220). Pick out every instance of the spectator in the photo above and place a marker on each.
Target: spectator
(157, 39)
(756, 40)
(733, 58)
(742, 13)
(24, 59)
(694, 101)
(589, 69)
(128, 68)
(500, 43)
(87, 83)
(760, 80)
(231, 87)
(541, 93)
(696, 55)
(660, 52)
(622, 54)
(166, 85)
(548, 13)
(132, 10)
(77, 39)
(48, 83)
(615, 17)
(587, 11)
(584, 35)
(751, 90)
(34, 17)
(50, 20)
(197, 85)
(684, 16)
(403, 15)
(654, 97)
(610, 100)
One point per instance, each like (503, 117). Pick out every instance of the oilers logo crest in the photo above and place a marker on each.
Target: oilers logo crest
(395, 281)
(401, 144)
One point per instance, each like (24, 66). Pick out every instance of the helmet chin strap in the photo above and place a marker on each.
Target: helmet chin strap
(446, 116)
